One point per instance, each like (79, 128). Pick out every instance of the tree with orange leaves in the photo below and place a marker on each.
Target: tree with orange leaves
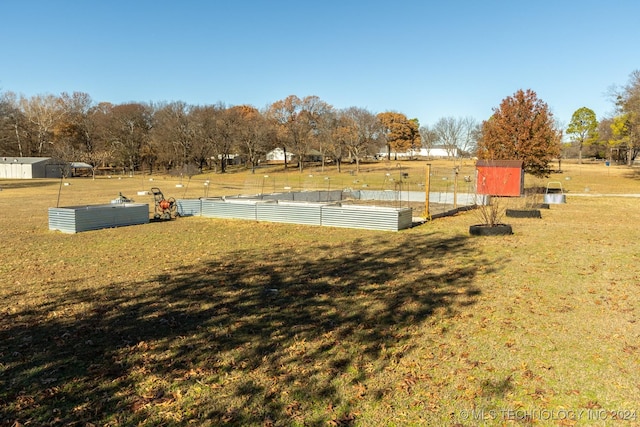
(401, 134)
(522, 128)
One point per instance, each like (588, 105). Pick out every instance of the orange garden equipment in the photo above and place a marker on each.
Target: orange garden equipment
(166, 209)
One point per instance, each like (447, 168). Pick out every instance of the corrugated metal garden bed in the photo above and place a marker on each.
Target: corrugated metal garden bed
(331, 208)
(74, 219)
(333, 214)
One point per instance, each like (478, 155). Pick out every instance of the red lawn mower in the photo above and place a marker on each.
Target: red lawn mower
(166, 209)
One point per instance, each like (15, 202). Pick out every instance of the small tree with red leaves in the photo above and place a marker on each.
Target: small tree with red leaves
(522, 128)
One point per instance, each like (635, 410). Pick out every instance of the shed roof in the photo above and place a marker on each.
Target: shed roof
(23, 160)
(500, 163)
(81, 165)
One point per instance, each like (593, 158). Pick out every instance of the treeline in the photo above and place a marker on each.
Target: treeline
(617, 137)
(175, 135)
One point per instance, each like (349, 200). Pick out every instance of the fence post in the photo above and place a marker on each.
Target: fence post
(455, 187)
(427, 186)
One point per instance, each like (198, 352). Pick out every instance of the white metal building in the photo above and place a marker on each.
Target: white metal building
(440, 152)
(29, 167)
(277, 155)
(434, 152)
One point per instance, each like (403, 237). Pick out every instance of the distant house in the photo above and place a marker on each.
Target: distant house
(277, 156)
(313, 156)
(437, 152)
(231, 159)
(30, 167)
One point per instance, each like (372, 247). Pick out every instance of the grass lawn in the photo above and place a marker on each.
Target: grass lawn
(201, 321)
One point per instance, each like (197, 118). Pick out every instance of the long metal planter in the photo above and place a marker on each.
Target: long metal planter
(74, 219)
(189, 207)
(313, 196)
(234, 208)
(290, 212)
(306, 213)
(463, 199)
(367, 217)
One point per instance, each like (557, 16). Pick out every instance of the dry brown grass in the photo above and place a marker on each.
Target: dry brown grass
(207, 322)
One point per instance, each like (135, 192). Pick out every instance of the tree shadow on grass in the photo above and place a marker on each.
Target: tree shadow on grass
(26, 183)
(286, 336)
(633, 173)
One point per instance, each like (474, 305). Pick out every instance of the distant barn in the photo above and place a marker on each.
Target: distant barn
(30, 167)
(277, 156)
(500, 177)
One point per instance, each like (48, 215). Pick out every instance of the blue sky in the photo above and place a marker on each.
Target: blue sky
(427, 59)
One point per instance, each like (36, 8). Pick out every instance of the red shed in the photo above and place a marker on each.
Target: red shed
(500, 177)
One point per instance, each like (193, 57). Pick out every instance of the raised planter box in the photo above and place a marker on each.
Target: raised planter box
(234, 208)
(488, 230)
(290, 212)
(368, 217)
(555, 198)
(74, 219)
(523, 213)
(323, 214)
(189, 207)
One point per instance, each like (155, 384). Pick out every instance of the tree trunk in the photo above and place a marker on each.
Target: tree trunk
(252, 160)
(284, 150)
(580, 154)
(18, 139)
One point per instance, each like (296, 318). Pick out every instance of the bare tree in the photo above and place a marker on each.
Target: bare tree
(205, 120)
(360, 130)
(297, 123)
(428, 136)
(128, 132)
(12, 126)
(450, 132)
(173, 134)
(77, 133)
(323, 132)
(337, 147)
(227, 124)
(43, 112)
(471, 130)
(98, 121)
(252, 134)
